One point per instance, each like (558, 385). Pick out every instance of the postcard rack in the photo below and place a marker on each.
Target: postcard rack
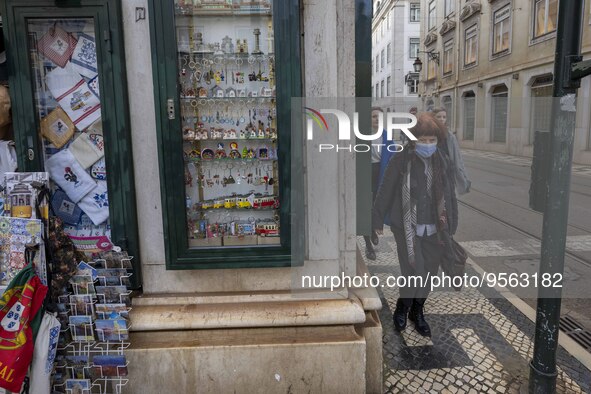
(95, 329)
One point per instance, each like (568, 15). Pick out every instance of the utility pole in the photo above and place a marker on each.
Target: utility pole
(568, 70)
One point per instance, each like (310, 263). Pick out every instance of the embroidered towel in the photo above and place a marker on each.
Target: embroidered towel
(89, 147)
(74, 96)
(57, 127)
(96, 204)
(99, 170)
(57, 45)
(64, 208)
(84, 56)
(69, 175)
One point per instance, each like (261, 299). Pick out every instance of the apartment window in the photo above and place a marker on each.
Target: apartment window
(448, 57)
(373, 91)
(388, 87)
(388, 20)
(377, 62)
(377, 90)
(448, 7)
(545, 17)
(389, 52)
(541, 105)
(413, 47)
(500, 98)
(431, 16)
(469, 101)
(471, 45)
(446, 102)
(501, 29)
(382, 89)
(431, 69)
(372, 63)
(415, 12)
(383, 59)
(413, 86)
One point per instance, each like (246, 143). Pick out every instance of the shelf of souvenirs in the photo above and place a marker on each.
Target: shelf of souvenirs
(222, 8)
(250, 133)
(245, 202)
(216, 99)
(209, 52)
(193, 159)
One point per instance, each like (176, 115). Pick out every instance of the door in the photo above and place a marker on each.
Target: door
(68, 88)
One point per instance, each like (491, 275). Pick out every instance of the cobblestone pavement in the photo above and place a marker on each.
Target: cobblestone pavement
(481, 343)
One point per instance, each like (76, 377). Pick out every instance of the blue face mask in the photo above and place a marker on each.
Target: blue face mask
(425, 150)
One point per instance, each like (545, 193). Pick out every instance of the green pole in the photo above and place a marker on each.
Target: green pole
(568, 46)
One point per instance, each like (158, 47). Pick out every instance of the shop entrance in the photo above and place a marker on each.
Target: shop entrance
(68, 89)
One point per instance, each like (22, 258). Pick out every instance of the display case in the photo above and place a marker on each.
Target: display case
(225, 139)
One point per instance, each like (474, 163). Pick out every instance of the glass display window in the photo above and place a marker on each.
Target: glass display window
(227, 121)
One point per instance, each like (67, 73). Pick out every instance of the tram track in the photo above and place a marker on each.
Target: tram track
(572, 255)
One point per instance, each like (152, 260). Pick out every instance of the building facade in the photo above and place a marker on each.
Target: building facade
(490, 63)
(395, 46)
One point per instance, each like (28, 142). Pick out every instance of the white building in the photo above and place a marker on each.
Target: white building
(396, 35)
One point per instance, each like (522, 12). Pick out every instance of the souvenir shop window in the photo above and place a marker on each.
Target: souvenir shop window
(72, 119)
(224, 126)
(63, 61)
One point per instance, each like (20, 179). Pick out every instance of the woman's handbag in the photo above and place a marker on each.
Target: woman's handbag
(454, 262)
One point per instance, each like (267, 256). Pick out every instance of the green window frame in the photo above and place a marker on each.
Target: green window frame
(115, 114)
(287, 31)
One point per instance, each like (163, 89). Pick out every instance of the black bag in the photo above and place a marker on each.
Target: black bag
(454, 261)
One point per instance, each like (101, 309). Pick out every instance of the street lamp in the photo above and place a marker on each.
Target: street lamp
(417, 65)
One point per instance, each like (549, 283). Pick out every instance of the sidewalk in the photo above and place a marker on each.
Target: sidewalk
(481, 343)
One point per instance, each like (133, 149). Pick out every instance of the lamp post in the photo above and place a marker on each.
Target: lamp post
(568, 70)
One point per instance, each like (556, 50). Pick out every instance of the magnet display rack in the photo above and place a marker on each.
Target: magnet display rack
(90, 356)
(227, 93)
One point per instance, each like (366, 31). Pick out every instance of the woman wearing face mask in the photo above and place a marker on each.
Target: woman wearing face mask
(417, 191)
(455, 155)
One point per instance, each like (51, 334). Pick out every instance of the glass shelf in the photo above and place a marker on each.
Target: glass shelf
(230, 99)
(229, 160)
(194, 11)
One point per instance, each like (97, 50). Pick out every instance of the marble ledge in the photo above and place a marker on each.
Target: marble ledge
(244, 315)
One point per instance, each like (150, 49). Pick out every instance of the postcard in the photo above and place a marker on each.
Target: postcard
(82, 284)
(113, 294)
(112, 330)
(75, 366)
(112, 259)
(81, 328)
(113, 277)
(112, 311)
(78, 386)
(110, 365)
(86, 269)
(81, 304)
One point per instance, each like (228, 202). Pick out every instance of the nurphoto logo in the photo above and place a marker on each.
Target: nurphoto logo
(392, 120)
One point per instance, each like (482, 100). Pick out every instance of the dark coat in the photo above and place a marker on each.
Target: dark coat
(388, 200)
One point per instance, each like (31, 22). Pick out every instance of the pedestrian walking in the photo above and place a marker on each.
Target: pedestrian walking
(417, 195)
(376, 157)
(452, 147)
